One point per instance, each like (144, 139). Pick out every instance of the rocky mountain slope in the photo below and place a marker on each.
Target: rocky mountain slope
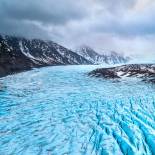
(106, 58)
(144, 71)
(19, 54)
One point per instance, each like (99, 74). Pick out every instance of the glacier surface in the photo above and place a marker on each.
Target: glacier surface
(61, 111)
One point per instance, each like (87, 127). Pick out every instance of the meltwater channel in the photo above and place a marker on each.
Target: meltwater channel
(60, 110)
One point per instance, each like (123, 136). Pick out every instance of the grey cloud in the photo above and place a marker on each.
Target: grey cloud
(47, 11)
(127, 28)
(18, 17)
(24, 29)
(107, 24)
(117, 6)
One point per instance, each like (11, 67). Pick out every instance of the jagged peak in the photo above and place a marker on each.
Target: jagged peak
(102, 57)
(85, 49)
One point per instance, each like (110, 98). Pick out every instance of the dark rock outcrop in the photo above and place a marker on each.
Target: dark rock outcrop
(144, 71)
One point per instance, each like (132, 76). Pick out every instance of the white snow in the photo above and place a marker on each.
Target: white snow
(26, 53)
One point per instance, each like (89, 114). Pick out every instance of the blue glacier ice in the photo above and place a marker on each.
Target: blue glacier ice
(62, 111)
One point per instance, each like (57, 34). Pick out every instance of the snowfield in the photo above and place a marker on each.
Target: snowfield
(60, 110)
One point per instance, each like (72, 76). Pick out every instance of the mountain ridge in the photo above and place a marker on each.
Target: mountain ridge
(110, 57)
(19, 54)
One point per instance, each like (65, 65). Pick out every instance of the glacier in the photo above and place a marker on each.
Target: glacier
(60, 110)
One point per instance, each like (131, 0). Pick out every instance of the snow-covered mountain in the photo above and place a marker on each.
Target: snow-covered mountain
(18, 54)
(106, 58)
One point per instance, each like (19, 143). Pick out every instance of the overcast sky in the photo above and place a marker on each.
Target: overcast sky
(122, 25)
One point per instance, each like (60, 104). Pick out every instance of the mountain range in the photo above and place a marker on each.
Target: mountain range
(19, 54)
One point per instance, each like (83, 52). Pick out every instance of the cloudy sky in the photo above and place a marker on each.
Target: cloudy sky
(122, 25)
